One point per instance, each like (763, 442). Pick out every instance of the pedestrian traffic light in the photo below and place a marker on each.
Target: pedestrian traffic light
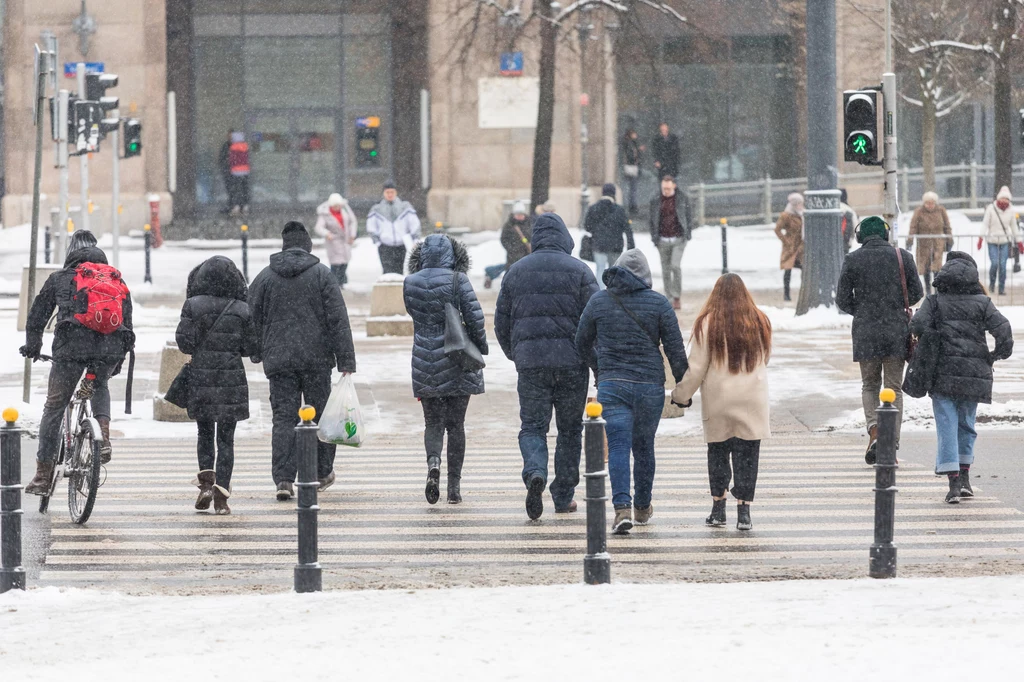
(132, 138)
(367, 139)
(85, 126)
(96, 86)
(860, 126)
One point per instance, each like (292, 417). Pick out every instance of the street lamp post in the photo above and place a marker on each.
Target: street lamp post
(584, 28)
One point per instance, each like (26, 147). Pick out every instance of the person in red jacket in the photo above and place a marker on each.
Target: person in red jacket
(238, 167)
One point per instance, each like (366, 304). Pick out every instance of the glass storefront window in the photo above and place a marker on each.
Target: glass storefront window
(292, 72)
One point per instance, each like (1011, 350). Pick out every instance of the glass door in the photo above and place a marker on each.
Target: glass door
(293, 157)
(270, 157)
(315, 158)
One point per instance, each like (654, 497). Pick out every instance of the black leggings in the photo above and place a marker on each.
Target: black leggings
(224, 434)
(447, 413)
(744, 467)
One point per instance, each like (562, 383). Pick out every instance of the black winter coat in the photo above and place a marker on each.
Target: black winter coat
(515, 249)
(299, 317)
(435, 265)
(964, 369)
(72, 340)
(870, 290)
(666, 150)
(616, 346)
(541, 300)
(607, 222)
(219, 391)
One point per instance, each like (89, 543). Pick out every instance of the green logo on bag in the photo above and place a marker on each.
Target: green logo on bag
(350, 428)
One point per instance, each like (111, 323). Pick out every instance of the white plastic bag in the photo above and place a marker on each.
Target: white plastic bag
(342, 420)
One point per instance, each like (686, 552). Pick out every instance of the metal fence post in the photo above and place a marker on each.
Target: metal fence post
(974, 184)
(12, 575)
(597, 564)
(245, 252)
(904, 190)
(308, 576)
(725, 245)
(149, 245)
(701, 198)
(768, 199)
(882, 563)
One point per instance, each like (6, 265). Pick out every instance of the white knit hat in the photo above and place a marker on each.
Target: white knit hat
(519, 207)
(1004, 193)
(335, 200)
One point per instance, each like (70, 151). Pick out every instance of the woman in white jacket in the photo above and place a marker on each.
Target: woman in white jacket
(729, 351)
(1001, 234)
(336, 222)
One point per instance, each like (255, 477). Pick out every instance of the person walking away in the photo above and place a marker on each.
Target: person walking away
(607, 223)
(631, 154)
(729, 351)
(437, 277)
(621, 333)
(537, 314)
(961, 312)
(665, 149)
(216, 330)
(392, 225)
(877, 285)
(671, 225)
(790, 231)
(929, 222)
(92, 332)
(849, 220)
(336, 222)
(238, 164)
(302, 332)
(515, 238)
(224, 166)
(1002, 235)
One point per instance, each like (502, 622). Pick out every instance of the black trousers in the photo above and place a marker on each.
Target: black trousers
(238, 191)
(446, 414)
(340, 272)
(221, 459)
(392, 259)
(744, 467)
(288, 391)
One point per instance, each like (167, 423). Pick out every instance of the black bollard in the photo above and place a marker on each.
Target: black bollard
(149, 244)
(597, 564)
(46, 245)
(307, 572)
(245, 252)
(12, 575)
(725, 245)
(883, 553)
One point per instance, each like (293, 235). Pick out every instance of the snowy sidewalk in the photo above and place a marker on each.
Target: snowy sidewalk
(914, 629)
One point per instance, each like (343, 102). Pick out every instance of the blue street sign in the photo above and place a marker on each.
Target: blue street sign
(70, 68)
(511, 63)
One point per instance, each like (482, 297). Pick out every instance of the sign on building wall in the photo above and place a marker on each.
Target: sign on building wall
(511, 64)
(508, 102)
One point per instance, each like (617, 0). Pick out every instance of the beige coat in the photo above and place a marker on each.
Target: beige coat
(732, 405)
(1000, 226)
(337, 240)
(929, 251)
(790, 231)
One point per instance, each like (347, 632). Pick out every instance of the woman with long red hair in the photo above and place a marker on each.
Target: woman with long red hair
(728, 362)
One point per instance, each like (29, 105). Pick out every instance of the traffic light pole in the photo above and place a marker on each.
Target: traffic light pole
(890, 162)
(84, 158)
(62, 166)
(115, 199)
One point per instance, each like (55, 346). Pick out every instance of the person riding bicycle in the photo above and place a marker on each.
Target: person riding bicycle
(82, 297)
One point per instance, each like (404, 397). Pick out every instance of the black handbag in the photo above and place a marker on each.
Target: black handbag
(179, 390)
(587, 248)
(920, 376)
(457, 345)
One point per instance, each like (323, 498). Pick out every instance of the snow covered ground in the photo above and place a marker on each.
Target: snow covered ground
(914, 629)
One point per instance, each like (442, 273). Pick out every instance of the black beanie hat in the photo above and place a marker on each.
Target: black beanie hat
(961, 255)
(608, 190)
(294, 236)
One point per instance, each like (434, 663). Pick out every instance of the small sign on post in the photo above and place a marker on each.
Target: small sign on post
(70, 68)
(511, 64)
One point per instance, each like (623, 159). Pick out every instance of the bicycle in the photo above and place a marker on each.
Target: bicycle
(78, 457)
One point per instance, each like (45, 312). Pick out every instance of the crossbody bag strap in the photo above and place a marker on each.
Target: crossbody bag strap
(529, 247)
(201, 344)
(903, 281)
(656, 342)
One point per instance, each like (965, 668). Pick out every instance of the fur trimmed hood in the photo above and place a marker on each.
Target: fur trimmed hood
(439, 251)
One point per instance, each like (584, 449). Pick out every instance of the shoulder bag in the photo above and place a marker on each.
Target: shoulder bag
(920, 375)
(911, 342)
(179, 390)
(457, 345)
(587, 248)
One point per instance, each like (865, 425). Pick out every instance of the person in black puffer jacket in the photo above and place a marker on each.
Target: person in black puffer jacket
(539, 307)
(607, 222)
(962, 313)
(437, 276)
(215, 329)
(302, 333)
(621, 333)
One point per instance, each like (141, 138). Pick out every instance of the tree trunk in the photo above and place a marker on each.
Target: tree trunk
(928, 120)
(541, 182)
(1003, 103)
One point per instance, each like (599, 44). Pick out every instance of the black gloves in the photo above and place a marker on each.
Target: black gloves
(689, 403)
(33, 346)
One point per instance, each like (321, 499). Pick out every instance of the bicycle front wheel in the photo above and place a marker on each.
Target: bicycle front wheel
(83, 475)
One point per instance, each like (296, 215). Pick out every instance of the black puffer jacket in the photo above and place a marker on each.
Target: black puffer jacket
(608, 222)
(299, 317)
(434, 267)
(541, 300)
(965, 363)
(870, 290)
(72, 340)
(216, 331)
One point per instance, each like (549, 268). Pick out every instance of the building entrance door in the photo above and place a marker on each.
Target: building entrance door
(294, 157)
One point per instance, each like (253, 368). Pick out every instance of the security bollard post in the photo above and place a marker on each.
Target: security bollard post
(883, 553)
(307, 572)
(149, 245)
(12, 575)
(597, 564)
(245, 252)
(51, 232)
(725, 245)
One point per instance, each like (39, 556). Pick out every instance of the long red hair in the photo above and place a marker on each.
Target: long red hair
(738, 332)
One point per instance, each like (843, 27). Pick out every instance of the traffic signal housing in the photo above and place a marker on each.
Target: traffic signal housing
(368, 142)
(96, 86)
(860, 126)
(132, 138)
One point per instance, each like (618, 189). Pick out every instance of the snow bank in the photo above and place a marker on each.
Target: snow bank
(786, 319)
(917, 416)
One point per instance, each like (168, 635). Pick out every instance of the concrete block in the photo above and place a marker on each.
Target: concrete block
(387, 298)
(42, 272)
(395, 325)
(164, 411)
(171, 362)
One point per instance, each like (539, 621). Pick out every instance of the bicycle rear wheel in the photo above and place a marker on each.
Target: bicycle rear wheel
(83, 475)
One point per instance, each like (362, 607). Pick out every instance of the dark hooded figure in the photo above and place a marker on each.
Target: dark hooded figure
(962, 313)
(539, 307)
(437, 276)
(216, 330)
(302, 333)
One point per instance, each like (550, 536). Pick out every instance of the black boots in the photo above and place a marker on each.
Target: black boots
(535, 497)
(871, 454)
(743, 517)
(455, 477)
(717, 517)
(40, 483)
(786, 276)
(965, 483)
(953, 496)
(105, 449)
(205, 480)
(433, 489)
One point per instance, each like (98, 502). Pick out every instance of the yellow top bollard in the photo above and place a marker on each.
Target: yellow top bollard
(245, 228)
(439, 224)
(146, 227)
(307, 413)
(71, 225)
(887, 396)
(723, 221)
(10, 415)
(594, 410)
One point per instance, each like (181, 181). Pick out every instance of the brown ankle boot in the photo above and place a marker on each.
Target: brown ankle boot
(205, 480)
(105, 449)
(220, 500)
(40, 483)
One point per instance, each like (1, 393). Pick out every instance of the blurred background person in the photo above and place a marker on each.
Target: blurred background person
(929, 221)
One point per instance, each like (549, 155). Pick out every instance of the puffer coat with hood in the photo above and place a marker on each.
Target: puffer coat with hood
(299, 316)
(541, 300)
(338, 238)
(437, 275)
(964, 369)
(216, 330)
(617, 346)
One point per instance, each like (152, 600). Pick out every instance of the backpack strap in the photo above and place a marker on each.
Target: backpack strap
(656, 342)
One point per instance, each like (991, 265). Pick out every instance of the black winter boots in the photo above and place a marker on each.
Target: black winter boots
(433, 489)
(105, 449)
(455, 477)
(953, 496)
(743, 517)
(535, 497)
(965, 483)
(717, 517)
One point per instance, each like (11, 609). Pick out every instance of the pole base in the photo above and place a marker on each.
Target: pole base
(882, 562)
(12, 579)
(308, 578)
(597, 569)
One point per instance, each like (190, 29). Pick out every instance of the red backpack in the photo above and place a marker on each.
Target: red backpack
(100, 292)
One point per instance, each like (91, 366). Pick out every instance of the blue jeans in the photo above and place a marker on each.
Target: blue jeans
(631, 192)
(493, 272)
(954, 424)
(632, 412)
(565, 390)
(603, 261)
(997, 255)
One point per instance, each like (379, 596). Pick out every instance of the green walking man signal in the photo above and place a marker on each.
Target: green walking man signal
(860, 126)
